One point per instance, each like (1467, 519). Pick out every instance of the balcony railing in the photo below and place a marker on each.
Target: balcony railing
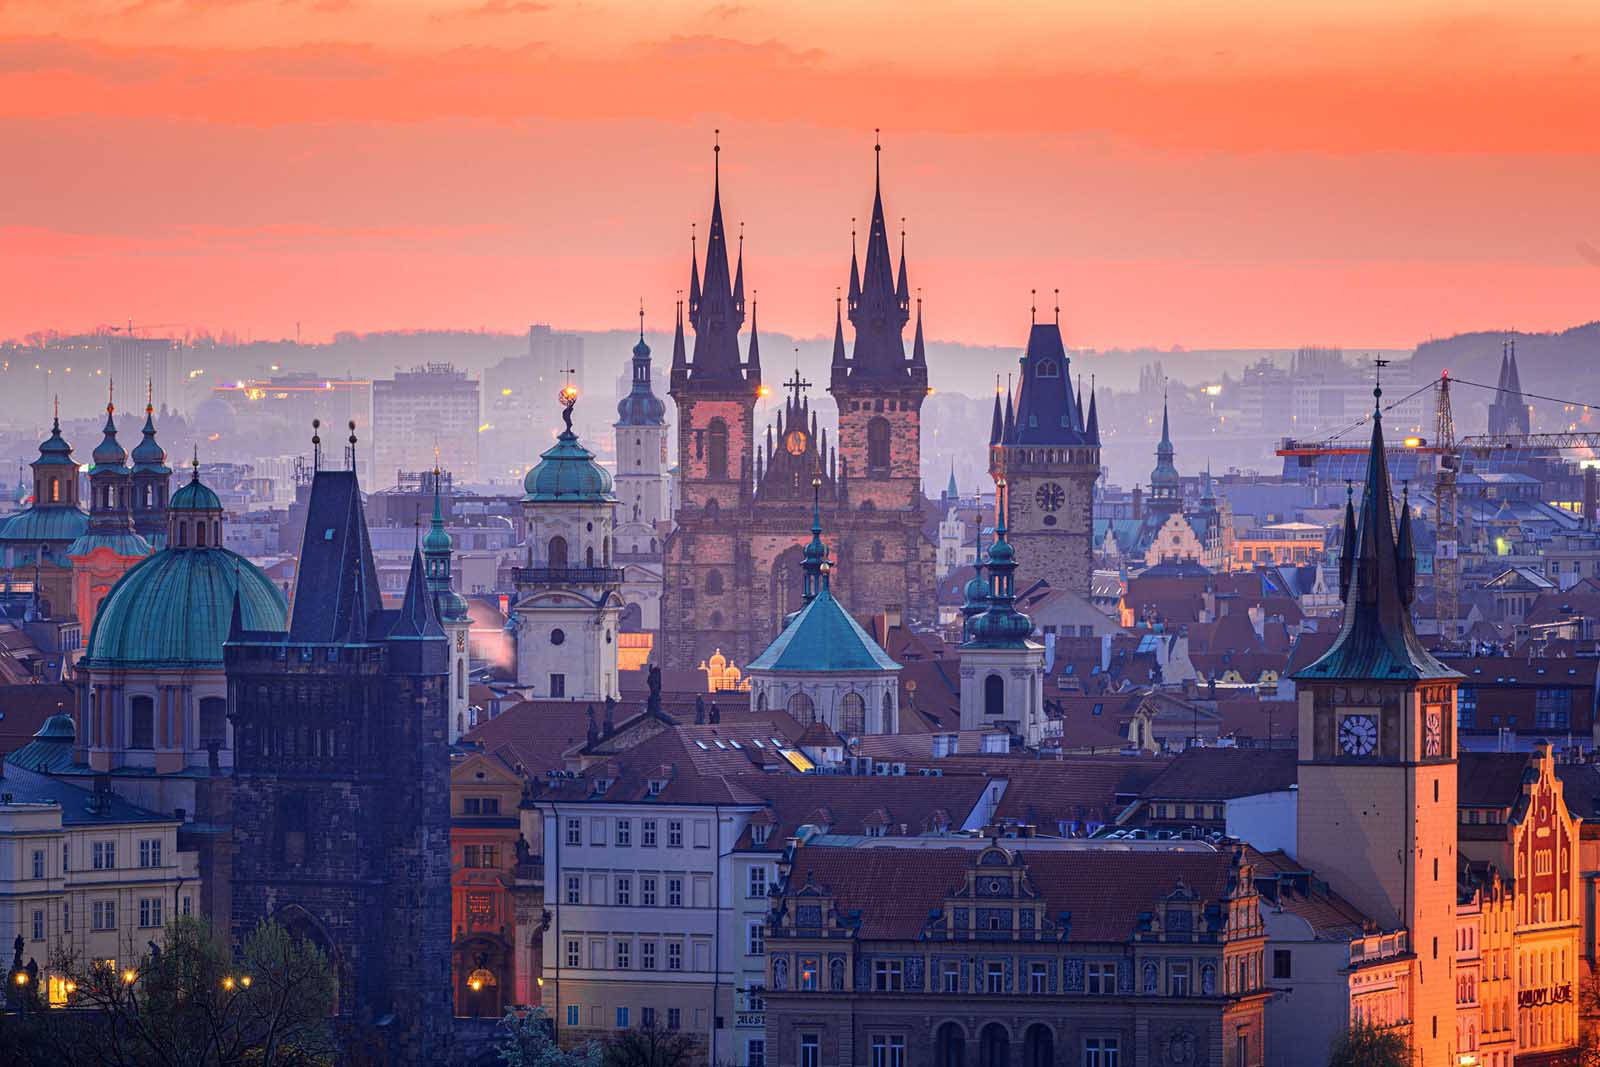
(566, 575)
(1378, 947)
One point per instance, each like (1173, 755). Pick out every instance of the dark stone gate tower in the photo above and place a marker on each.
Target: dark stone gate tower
(341, 772)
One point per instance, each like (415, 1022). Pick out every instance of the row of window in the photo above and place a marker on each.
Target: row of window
(650, 893)
(645, 954)
(889, 1050)
(650, 832)
(1100, 977)
(103, 915)
(102, 856)
(672, 1018)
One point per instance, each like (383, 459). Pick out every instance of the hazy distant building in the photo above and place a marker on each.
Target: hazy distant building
(417, 411)
(132, 362)
(1509, 412)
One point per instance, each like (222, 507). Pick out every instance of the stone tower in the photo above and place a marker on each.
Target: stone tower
(1166, 485)
(1047, 450)
(1377, 772)
(1508, 411)
(1002, 669)
(879, 391)
(437, 549)
(152, 479)
(641, 430)
(341, 778)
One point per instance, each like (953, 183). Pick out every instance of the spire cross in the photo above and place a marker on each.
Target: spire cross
(641, 318)
(1377, 381)
(877, 153)
(797, 385)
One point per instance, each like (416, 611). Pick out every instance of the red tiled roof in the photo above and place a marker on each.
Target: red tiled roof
(903, 806)
(1044, 793)
(1105, 890)
(1330, 916)
(537, 732)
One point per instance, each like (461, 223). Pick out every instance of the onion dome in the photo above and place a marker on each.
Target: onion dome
(641, 406)
(54, 449)
(195, 496)
(109, 455)
(1002, 626)
(148, 456)
(567, 473)
(436, 549)
(173, 609)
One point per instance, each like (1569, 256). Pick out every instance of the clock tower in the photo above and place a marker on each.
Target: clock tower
(1377, 771)
(1048, 453)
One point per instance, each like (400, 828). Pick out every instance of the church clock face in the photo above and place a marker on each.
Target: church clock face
(1433, 734)
(1050, 496)
(1358, 735)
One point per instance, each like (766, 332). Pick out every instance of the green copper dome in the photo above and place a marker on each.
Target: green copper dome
(567, 473)
(195, 495)
(49, 524)
(54, 449)
(174, 609)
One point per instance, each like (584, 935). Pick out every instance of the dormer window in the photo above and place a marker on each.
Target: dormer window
(759, 834)
(1048, 369)
(655, 786)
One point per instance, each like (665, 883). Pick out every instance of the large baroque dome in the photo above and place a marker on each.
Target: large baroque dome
(174, 609)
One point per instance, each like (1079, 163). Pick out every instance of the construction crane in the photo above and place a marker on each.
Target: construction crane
(132, 328)
(1449, 449)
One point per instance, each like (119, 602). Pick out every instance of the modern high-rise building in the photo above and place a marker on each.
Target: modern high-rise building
(156, 363)
(423, 416)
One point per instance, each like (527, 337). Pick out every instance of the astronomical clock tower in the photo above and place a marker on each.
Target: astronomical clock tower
(1377, 771)
(1048, 451)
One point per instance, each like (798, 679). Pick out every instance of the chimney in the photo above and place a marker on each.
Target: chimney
(1138, 503)
(891, 618)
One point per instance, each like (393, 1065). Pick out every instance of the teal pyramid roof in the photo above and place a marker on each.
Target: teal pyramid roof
(823, 637)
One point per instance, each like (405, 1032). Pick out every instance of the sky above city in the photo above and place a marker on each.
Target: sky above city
(1242, 174)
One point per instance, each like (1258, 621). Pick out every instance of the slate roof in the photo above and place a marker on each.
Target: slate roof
(1047, 413)
(1224, 774)
(336, 591)
(1291, 888)
(1046, 792)
(848, 804)
(78, 806)
(24, 710)
(1105, 890)
(823, 637)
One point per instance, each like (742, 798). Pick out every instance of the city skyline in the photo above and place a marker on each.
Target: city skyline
(1365, 177)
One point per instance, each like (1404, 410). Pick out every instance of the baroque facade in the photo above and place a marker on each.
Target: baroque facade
(732, 569)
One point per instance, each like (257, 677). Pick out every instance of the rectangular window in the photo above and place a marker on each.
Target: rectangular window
(38, 863)
(150, 852)
(572, 1015)
(647, 955)
(1038, 977)
(950, 976)
(489, 856)
(149, 911)
(808, 973)
(597, 831)
(888, 1050)
(574, 889)
(624, 955)
(674, 1018)
(674, 833)
(756, 939)
(994, 977)
(481, 806)
(647, 1017)
(647, 833)
(810, 1050)
(674, 955)
(65, 866)
(755, 1052)
(622, 1018)
(888, 976)
(757, 886)
(647, 891)
(1102, 977)
(38, 924)
(104, 854)
(624, 896)
(103, 915)
(1101, 1052)
(624, 833)
(674, 892)
(558, 686)
(469, 855)
(574, 831)
(574, 952)
(1178, 980)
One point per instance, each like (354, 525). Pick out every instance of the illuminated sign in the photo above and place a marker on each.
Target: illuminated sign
(1538, 998)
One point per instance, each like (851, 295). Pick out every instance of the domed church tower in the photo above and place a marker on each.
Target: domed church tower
(451, 609)
(569, 603)
(152, 481)
(109, 547)
(36, 539)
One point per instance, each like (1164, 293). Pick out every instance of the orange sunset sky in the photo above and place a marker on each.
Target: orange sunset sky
(1188, 173)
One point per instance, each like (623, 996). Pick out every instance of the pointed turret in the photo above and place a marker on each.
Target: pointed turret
(417, 620)
(641, 406)
(738, 276)
(841, 363)
(1010, 420)
(694, 277)
(1166, 487)
(902, 288)
(1082, 422)
(919, 350)
(950, 486)
(716, 307)
(878, 311)
(679, 373)
(1001, 626)
(752, 365)
(1092, 427)
(997, 426)
(855, 273)
(1377, 640)
(975, 594)
(1405, 552)
(1347, 547)
(815, 557)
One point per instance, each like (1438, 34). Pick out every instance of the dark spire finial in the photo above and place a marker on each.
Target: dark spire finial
(641, 318)
(149, 396)
(111, 395)
(1058, 307)
(194, 468)
(1033, 307)
(352, 457)
(1377, 381)
(316, 445)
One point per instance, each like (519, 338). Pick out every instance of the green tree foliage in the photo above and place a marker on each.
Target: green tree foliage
(528, 1041)
(191, 1003)
(1370, 1046)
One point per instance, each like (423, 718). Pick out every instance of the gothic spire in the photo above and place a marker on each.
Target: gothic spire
(902, 290)
(878, 312)
(1164, 447)
(841, 365)
(752, 367)
(855, 270)
(919, 350)
(1347, 550)
(680, 357)
(1405, 552)
(1002, 625)
(716, 310)
(1010, 420)
(1092, 428)
(738, 276)
(997, 426)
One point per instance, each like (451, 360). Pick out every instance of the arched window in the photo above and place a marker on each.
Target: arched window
(761, 700)
(200, 535)
(802, 710)
(713, 582)
(183, 535)
(141, 723)
(1048, 369)
(1038, 1047)
(951, 1046)
(588, 557)
(878, 446)
(994, 1046)
(994, 695)
(852, 715)
(888, 724)
(55, 490)
(461, 679)
(556, 553)
(213, 721)
(717, 450)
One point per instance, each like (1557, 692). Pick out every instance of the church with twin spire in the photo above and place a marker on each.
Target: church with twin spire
(732, 569)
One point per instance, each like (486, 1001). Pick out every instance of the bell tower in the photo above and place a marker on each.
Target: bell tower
(879, 391)
(1377, 770)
